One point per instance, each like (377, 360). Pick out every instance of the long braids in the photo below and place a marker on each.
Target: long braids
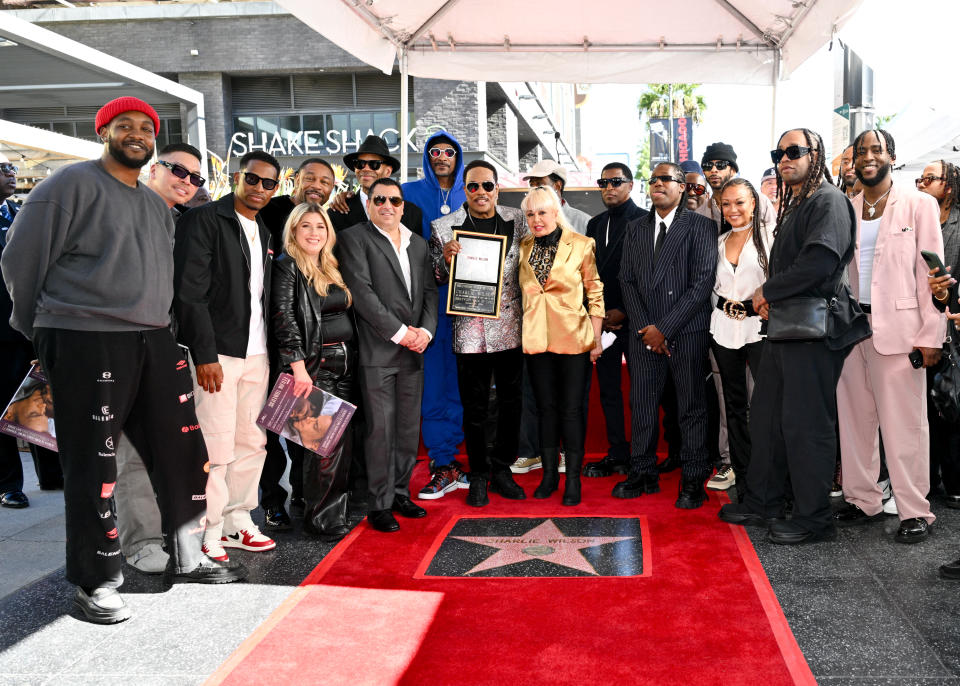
(818, 172)
(757, 227)
(951, 182)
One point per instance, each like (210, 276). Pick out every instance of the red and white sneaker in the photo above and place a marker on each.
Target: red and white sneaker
(214, 551)
(249, 538)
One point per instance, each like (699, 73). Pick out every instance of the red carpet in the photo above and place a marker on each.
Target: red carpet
(701, 612)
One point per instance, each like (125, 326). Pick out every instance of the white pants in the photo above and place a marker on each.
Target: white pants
(235, 443)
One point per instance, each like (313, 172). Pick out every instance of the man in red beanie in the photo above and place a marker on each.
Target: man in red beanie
(89, 267)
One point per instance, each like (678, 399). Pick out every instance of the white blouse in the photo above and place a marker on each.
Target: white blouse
(738, 284)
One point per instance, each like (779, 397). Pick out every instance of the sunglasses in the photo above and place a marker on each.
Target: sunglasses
(449, 153)
(793, 152)
(927, 180)
(616, 182)
(362, 164)
(663, 178)
(252, 179)
(488, 186)
(182, 172)
(696, 188)
(719, 164)
(8, 169)
(395, 200)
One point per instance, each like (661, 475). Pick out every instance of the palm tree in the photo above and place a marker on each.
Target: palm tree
(655, 101)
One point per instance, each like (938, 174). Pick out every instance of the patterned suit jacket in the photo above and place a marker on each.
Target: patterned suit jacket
(480, 334)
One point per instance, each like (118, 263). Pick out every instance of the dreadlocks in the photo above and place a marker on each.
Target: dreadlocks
(951, 183)
(887, 138)
(757, 213)
(818, 171)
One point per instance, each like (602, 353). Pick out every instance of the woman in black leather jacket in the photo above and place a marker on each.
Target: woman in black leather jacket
(315, 335)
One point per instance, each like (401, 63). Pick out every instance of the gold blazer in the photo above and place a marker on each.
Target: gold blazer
(554, 317)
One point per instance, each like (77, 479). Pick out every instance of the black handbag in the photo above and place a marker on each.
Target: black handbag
(799, 319)
(945, 389)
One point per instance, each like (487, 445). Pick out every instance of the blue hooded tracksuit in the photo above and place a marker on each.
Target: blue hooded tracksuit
(442, 412)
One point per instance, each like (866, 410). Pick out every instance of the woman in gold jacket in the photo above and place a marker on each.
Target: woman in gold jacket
(562, 316)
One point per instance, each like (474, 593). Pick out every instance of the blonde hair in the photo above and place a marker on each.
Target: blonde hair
(540, 197)
(319, 276)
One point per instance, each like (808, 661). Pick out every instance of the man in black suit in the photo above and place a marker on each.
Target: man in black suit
(370, 162)
(666, 276)
(390, 276)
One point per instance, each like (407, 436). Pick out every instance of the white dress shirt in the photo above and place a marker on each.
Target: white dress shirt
(404, 259)
(738, 284)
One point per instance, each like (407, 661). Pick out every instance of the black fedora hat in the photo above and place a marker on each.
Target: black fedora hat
(372, 145)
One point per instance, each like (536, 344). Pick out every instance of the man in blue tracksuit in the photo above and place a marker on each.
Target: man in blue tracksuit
(437, 194)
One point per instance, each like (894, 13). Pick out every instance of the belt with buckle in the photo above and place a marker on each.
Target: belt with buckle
(736, 309)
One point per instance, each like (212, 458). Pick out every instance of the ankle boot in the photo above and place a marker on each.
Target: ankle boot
(571, 486)
(550, 460)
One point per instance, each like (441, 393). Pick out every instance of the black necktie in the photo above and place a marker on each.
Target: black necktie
(658, 244)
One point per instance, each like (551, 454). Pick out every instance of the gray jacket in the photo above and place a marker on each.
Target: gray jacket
(480, 334)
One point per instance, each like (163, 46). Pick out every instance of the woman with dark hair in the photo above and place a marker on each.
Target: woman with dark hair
(315, 337)
(735, 325)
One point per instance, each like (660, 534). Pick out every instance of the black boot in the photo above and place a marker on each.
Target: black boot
(550, 459)
(325, 493)
(571, 486)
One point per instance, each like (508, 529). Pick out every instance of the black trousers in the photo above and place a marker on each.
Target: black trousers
(138, 382)
(732, 364)
(474, 372)
(609, 380)
(272, 494)
(793, 424)
(558, 382)
(944, 448)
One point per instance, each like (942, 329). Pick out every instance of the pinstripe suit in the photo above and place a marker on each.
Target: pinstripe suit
(674, 296)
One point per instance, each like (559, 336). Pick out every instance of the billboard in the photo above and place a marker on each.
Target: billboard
(660, 140)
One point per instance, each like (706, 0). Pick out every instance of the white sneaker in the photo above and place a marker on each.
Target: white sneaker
(890, 507)
(723, 479)
(214, 551)
(150, 559)
(885, 487)
(563, 463)
(525, 464)
(248, 538)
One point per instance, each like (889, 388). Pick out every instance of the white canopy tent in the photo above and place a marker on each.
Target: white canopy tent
(634, 41)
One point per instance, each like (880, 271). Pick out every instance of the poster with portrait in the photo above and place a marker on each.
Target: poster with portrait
(315, 421)
(29, 414)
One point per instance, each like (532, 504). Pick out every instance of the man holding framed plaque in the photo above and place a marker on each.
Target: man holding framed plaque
(476, 250)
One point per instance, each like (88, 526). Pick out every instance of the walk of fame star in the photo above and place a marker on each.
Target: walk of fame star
(543, 542)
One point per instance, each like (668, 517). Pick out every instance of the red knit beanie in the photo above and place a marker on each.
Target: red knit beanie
(125, 104)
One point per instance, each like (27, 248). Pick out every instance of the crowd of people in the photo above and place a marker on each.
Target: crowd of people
(777, 332)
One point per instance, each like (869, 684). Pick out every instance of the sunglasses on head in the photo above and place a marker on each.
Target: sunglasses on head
(616, 182)
(182, 172)
(449, 153)
(252, 179)
(792, 152)
(696, 188)
(6, 168)
(488, 186)
(663, 178)
(395, 200)
(927, 180)
(719, 164)
(373, 164)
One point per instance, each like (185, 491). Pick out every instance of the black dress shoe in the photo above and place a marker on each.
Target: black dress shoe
(503, 484)
(297, 507)
(951, 571)
(15, 499)
(209, 571)
(101, 605)
(738, 513)
(383, 520)
(952, 501)
(276, 519)
(851, 515)
(405, 507)
(692, 494)
(785, 532)
(913, 530)
(477, 495)
(672, 462)
(636, 485)
(607, 466)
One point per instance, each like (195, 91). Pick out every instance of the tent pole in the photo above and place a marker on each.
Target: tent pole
(404, 116)
(773, 98)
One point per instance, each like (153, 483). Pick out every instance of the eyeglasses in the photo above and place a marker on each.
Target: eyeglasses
(488, 186)
(696, 188)
(663, 178)
(719, 164)
(252, 179)
(616, 182)
(793, 152)
(395, 200)
(182, 172)
(373, 164)
(927, 180)
(8, 169)
(449, 153)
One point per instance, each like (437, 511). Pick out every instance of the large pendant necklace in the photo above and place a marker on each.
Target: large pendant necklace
(872, 206)
(445, 208)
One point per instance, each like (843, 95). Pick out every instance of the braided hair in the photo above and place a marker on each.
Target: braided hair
(887, 138)
(951, 176)
(757, 222)
(818, 171)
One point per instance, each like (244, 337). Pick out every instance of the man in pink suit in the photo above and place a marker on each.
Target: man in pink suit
(880, 386)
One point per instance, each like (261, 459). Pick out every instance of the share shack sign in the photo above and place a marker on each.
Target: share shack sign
(300, 143)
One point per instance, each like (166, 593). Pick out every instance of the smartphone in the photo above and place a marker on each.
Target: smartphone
(934, 262)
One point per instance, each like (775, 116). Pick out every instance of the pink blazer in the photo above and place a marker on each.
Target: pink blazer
(903, 313)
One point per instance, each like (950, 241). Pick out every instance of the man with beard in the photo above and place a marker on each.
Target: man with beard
(99, 320)
(882, 384)
(223, 265)
(696, 189)
(719, 163)
(848, 182)
(554, 174)
(313, 181)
